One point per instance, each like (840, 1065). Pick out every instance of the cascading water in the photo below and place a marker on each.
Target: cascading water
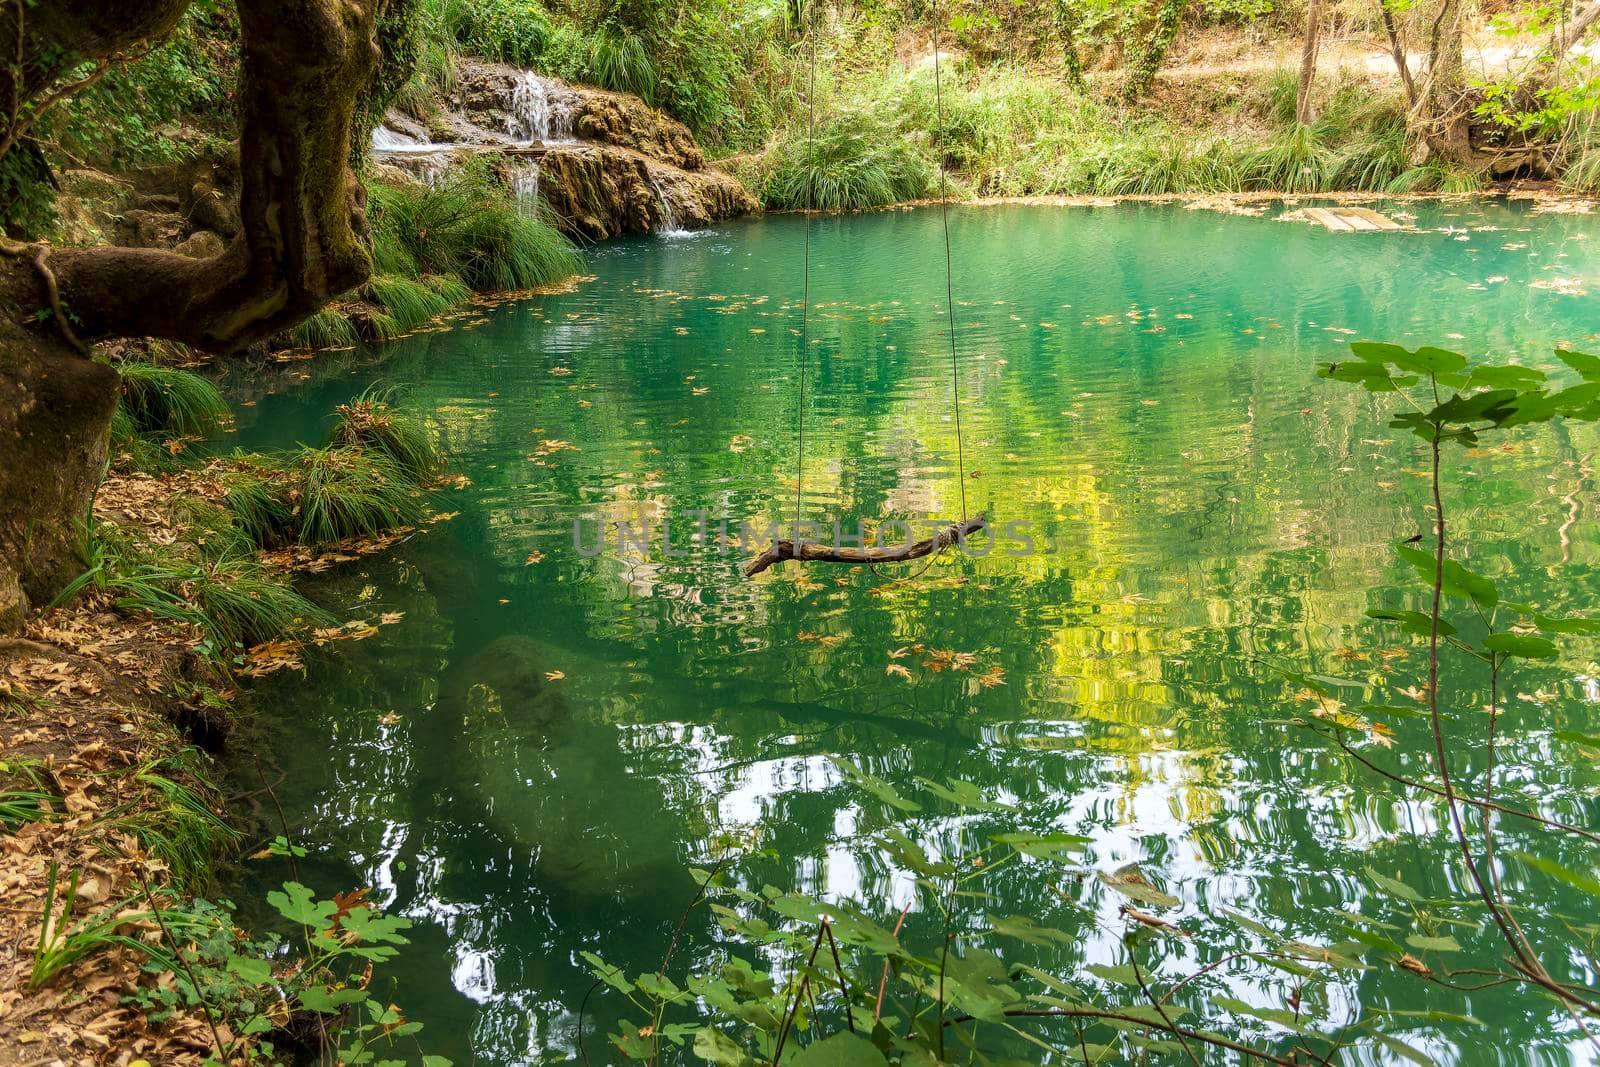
(535, 115)
(525, 186)
(669, 224)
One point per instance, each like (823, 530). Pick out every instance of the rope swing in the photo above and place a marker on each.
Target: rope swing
(957, 532)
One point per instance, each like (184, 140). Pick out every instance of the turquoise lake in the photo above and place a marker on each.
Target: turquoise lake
(531, 754)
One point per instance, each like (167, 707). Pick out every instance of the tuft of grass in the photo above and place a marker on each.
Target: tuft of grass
(260, 510)
(1294, 161)
(1154, 166)
(233, 600)
(174, 822)
(618, 59)
(163, 400)
(345, 492)
(853, 161)
(372, 423)
(224, 592)
(468, 227)
(328, 328)
(409, 302)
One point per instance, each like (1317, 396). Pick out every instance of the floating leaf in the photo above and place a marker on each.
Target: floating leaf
(963, 794)
(1044, 846)
(1458, 581)
(843, 1049)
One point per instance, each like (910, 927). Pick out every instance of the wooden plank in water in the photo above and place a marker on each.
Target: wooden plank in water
(1328, 219)
(1379, 222)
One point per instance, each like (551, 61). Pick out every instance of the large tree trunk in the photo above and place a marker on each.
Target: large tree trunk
(302, 241)
(1308, 62)
(1447, 118)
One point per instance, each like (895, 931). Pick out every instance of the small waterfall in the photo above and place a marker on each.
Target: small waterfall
(525, 186)
(386, 140)
(535, 114)
(670, 226)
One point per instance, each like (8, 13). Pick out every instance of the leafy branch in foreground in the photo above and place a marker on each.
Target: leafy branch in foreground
(806, 981)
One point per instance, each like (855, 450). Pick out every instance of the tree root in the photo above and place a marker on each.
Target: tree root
(41, 252)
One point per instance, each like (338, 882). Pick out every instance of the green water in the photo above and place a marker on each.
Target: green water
(1137, 385)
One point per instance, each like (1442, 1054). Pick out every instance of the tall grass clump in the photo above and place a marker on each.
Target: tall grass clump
(328, 328)
(1296, 160)
(1154, 166)
(344, 492)
(469, 227)
(852, 161)
(164, 400)
(224, 592)
(1581, 161)
(371, 422)
(409, 302)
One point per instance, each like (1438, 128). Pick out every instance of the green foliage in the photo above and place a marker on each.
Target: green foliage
(409, 302)
(65, 939)
(252, 985)
(468, 227)
(371, 422)
(1296, 161)
(218, 588)
(511, 31)
(853, 161)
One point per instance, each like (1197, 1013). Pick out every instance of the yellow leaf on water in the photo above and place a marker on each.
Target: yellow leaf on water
(899, 668)
(554, 676)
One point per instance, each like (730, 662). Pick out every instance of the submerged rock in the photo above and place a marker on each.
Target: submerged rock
(554, 782)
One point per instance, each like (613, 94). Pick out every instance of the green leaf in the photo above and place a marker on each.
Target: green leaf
(1587, 366)
(1374, 377)
(1430, 360)
(1404, 1050)
(874, 785)
(1393, 886)
(1521, 646)
(1458, 581)
(1586, 882)
(714, 1046)
(436, 1061)
(843, 1049)
(251, 969)
(1580, 626)
(1131, 884)
(1509, 376)
(298, 904)
(1412, 622)
(1443, 943)
(1026, 930)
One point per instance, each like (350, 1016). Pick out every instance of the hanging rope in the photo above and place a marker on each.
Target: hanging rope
(805, 282)
(955, 533)
(949, 272)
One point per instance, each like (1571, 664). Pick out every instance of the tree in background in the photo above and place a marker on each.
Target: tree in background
(1308, 62)
(1169, 16)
